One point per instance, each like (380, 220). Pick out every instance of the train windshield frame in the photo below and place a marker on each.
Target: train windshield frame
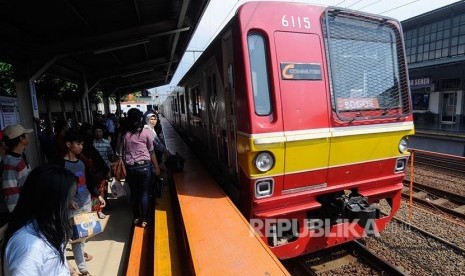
(259, 73)
(368, 77)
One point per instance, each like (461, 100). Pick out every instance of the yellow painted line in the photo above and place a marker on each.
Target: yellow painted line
(166, 254)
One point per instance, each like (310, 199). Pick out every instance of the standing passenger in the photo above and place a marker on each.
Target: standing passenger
(81, 201)
(105, 150)
(96, 175)
(140, 162)
(14, 165)
(151, 121)
(61, 126)
(101, 144)
(37, 233)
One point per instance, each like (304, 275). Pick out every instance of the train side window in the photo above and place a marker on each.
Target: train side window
(259, 72)
(230, 76)
(183, 109)
(195, 100)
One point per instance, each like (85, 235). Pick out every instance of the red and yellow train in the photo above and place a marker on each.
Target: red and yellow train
(303, 113)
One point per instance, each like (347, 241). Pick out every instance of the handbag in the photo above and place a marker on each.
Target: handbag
(85, 225)
(117, 189)
(119, 170)
(158, 187)
(175, 163)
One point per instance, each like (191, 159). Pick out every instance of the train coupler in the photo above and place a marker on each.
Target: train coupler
(358, 209)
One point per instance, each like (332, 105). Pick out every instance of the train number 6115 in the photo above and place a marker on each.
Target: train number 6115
(295, 21)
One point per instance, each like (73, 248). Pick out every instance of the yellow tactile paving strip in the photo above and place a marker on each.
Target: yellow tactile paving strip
(218, 235)
(166, 255)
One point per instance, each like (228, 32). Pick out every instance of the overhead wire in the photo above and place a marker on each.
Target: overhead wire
(370, 4)
(211, 37)
(237, 2)
(355, 3)
(222, 22)
(340, 2)
(399, 6)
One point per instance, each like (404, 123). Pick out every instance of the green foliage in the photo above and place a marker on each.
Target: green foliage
(132, 97)
(7, 83)
(55, 88)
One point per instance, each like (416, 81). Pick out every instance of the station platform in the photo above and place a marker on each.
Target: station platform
(110, 248)
(216, 239)
(197, 231)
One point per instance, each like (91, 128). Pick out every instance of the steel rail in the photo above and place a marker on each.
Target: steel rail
(431, 235)
(375, 260)
(453, 198)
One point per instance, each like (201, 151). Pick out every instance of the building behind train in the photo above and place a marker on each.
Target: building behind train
(435, 49)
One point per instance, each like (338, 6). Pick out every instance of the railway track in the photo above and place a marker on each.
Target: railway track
(431, 235)
(445, 201)
(442, 161)
(354, 252)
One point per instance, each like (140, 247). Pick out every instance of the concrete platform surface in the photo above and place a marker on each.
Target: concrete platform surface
(109, 249)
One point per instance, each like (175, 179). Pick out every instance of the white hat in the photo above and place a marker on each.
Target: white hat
(13, 131)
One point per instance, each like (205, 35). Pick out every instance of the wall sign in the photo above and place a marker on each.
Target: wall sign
(420, 83)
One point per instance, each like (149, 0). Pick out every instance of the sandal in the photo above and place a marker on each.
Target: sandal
(101, 215)
(88, 258)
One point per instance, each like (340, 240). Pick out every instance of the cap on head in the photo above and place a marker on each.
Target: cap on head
(12, 131)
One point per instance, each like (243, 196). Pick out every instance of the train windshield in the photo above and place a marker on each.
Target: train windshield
(367, 68)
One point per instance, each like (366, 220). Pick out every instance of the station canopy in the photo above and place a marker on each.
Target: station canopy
(119, 45)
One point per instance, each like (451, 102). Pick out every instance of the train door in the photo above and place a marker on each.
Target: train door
(449, 101)
(182, 111)
(189, 111)
(212, 107)
(304, 104)
(178, 110)
(230, 104)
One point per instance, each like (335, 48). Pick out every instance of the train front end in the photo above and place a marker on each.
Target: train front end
(324, 116)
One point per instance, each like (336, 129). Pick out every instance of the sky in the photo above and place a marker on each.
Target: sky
(219, 12)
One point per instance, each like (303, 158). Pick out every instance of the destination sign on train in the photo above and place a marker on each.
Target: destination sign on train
(300, 71)
(357, 103)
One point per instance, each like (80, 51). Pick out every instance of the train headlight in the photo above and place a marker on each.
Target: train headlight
(264, 161)
(403, 145)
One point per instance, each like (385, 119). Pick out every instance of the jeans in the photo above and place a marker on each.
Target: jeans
(78, 247)
(140, 179)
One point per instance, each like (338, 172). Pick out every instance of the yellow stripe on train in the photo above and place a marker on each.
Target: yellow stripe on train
(308, 150)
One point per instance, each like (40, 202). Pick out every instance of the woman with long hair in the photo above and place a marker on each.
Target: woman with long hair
(39, 227)
(141, 164)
